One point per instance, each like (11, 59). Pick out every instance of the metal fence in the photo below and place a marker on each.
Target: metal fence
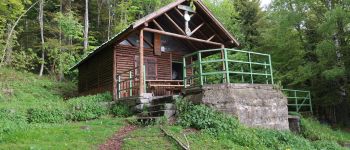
(226, 66)
(298, 100)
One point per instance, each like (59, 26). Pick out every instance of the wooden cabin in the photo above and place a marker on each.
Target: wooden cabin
(148, 56)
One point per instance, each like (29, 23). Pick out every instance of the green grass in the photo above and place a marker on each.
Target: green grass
(313, 130)
(29, 90)
(80, 135)
(148, 138)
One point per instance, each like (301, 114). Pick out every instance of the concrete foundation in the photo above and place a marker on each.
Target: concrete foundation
(255, 105)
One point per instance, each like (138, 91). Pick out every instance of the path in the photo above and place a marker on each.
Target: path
(116, 141)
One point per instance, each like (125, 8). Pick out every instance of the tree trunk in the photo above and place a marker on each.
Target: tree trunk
(109, 20)
(86, 28)
(41, 22)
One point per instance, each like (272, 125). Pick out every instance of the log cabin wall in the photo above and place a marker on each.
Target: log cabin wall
(125, 58)
(96, 75)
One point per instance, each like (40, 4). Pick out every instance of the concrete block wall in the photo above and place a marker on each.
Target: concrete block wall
(255, 105)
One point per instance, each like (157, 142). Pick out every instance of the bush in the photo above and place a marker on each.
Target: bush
(88, 107)
(11, 120)
(203, 117)
(46, 115)
(121, 110)
(326, 145)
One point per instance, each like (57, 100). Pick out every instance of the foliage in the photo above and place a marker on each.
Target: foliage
(46, 115)
(313, 130)
(328, 145)
(203, 117)
(121, 110)
(88, 107)
(11, 120)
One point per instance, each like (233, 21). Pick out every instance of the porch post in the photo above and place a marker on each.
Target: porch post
(141, 72)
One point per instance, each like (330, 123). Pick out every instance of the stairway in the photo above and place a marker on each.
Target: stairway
(155, 108)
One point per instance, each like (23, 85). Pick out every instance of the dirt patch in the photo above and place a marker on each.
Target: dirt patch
(116, 141)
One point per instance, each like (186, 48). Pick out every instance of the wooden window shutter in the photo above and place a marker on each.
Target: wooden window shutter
(157, 44)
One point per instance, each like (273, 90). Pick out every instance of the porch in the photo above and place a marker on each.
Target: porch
(199, 68)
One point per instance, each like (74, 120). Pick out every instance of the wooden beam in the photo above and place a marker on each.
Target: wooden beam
(174, 23)
(157, 24)
(195, 30)
(179, 12)
(210, 27)
(145, 40)
(211, 37)
(129, 42)
(182, 36)
(141, 64)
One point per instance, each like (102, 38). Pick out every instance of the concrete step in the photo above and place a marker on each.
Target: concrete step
(147, 119)
(163, 99)
(165, 106)
(160, 113)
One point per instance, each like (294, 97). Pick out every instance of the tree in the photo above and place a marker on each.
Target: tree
(86, 26)
(41, 22)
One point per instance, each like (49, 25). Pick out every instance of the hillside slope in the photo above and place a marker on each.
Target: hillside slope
(33, 115)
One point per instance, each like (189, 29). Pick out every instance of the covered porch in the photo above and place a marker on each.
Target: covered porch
(213, 66)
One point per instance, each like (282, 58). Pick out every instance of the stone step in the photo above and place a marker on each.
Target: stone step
(162, 100)
(166, 113)
(165, 106)
(147, 119)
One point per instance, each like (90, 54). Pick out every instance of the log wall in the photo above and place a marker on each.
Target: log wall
(96, 75)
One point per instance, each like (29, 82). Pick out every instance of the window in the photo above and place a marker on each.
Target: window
(150, 67)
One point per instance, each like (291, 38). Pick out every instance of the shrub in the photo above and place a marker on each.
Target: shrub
(46, 115)
(326, 145)
(11, 120)
(203, 117)
(121, 110)
(88, 107)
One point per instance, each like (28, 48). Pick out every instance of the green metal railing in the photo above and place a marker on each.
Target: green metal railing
(129, 86)
(298, 100)
(232, 66)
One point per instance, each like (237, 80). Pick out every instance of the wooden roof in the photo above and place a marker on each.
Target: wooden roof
(169, 18)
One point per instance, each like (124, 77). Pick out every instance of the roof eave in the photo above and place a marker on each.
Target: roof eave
(114, 39)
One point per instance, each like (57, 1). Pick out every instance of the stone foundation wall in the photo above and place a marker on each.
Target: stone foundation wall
(255, 105)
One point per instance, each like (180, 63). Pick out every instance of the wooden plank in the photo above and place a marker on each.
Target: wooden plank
(157, 44)
(174, 24)
(158, 25)
(157, 13)
(182, 36)
(141, 65)
(194, 31)
(211, 37)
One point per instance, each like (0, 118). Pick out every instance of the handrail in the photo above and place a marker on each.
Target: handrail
(230, 66)
(295, 96)
(129, 83)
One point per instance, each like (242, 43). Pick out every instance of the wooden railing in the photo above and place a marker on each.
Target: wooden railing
(127, 83)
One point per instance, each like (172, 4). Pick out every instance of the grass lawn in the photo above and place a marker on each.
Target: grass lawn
(80, 135)
(148, 138)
